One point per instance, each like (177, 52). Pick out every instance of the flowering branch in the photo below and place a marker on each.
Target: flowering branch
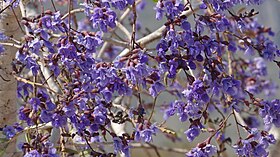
(94, 87)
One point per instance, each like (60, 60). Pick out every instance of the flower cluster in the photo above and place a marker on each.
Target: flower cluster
(255, 144)
(103, 17)
(202, 150)
(220, 5)
(270, 113)
(168, 7)
(46, 147)
(145, 135)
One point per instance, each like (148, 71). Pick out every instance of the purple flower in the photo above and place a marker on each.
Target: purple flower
(159, 10)
(99, 119)
(35, 103)
(271, 113)
(103, 17)
(59, 120)
(32, 153)
(169, 112)
(9, 131)
(3, 37)
(50, 106)
(57, 22)
(2, 49)
(35, 45)
(107, 95)
(196, 92)
(117, 144)
(192, 133)
(186, 25)
(69, 110)
(88, 83)
(68, 51)
(206, 151)
(91, 42)
(14, 3)
(146, 135)
(252, 122)
(137, 135)
(256, 145)
(119, 4)
(47, 22)
(230, 86)
(156, 88)
(94, 127)
(45, 116)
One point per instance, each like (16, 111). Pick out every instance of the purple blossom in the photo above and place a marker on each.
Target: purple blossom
(192, 133)
(120, 147)
(145, 134)
(270, 113)
(103, 17)
(156, 88)
(46, 116)
(9, 131)
(252, 122)
(59, 120)
(207, 151)
(47, 22)
(255, 146)
(35, 103)
(230, 86)
(2, 49)
(196, 92)
(33, 153)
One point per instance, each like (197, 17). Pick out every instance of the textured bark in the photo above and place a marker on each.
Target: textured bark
(8, 85)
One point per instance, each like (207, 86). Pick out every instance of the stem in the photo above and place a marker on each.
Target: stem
(153, 109)
(11, 44)
(34, 84)
(124, 15)
(53, 6)
(69, 17)
(221, 126)
(236, 121)
(17, 19)
(133, 35)
(6, 7)
(155, 35)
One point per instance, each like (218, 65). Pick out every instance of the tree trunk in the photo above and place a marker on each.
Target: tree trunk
(8, 85)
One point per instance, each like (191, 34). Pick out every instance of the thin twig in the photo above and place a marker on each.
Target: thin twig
(155, 35)
(79, 10)
(116, 42)
(124, 30)
(155, 148)
(53, 6)
(133, 34)
(33, 83)
(11, 44)
(125, 13)
(153, 109)
(7, 6)
(17, 20)
(237, 127)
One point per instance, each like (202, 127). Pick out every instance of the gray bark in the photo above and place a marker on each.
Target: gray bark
(8, 85)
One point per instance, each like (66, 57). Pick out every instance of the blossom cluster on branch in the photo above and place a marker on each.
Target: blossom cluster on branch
(211, 59)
